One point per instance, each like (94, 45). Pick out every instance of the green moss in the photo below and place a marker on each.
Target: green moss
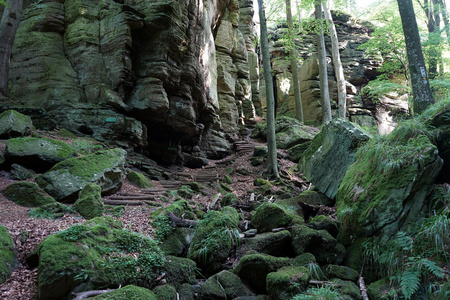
(225, 187)
(379, 289)
(42, 147)
(139, 180)
(27, 194)
(129, 292)
(115, 210)
(341, 272)
(261, 182)
(180, 270)
(195, 186)
(186, 192)
(66, 134)
(224, 285)
(254, 268)
(7, 256)
(287, 282)
(165, 292)
(229, 199)
(95, 255)
(303, 259)
(90, 203)
(180, 208)
(348, 288)
(384, 169)
(271, 215)
(50, 211)
(214, 237)
(227, 179)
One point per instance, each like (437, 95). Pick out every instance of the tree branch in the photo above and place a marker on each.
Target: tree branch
(88, 294)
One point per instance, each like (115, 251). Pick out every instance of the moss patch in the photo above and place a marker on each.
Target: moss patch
(7, 255)
(129, 292)
(27, 194)
(139, 180)
(287, 282)
(90, 203)
(271, 215)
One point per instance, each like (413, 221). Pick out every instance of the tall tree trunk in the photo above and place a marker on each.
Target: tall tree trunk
(325, 94)
(443, 8)
(8, 27)
(419, 80)
(272, 164)
(293, 59)
(338, 69)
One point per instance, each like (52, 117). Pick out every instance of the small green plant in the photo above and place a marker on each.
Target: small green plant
(315, 270)
(324, 293)
(74, 233)
(163, 227)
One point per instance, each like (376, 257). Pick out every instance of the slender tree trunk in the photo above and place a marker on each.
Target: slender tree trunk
(419, 80)
(272, 164)
(338, 69)
(299, 15)
(293, 59)
(443, 8)
(325, 94)
(8, 27)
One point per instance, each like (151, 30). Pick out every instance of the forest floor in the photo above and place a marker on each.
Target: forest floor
(28, 232)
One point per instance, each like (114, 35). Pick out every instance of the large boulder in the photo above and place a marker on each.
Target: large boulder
(27, 194)
(331, 153)
(180, 270)
(253, 269)
(385, 189)
(67, 178)
(215, 236)
(7, 255)
(95, 255)
(89, 203)
(288, 281)
(224, 285)
(271, 215)
(39, 154)
(440, 119)
(14, 124)
(271, 243)
(128, 292)
(289, 132)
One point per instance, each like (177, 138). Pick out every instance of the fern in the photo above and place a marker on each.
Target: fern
(432, 268)
(410, 282)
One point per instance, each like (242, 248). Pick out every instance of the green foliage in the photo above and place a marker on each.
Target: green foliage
(50, 211)
(85, 146)
(74, 233)
(315, 270)
(380, 87)
(440, 88)
(163, 227)
(324, 292)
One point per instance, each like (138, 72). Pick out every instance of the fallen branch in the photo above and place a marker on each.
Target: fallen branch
(179, 222)
(87, 294)
(362, 287)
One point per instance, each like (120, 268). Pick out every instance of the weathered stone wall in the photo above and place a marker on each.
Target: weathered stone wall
(358, 70)
(180, 68)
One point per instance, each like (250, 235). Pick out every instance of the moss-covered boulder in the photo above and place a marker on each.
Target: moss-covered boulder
(288, 132)
(272, 243)
(314, 198)
(94, 256)
(320, 243)
(253, 269)
(229, 199)
(323, 222)
(379, 288)
(67, 178)
(52, 210)
(439, 118)
(7, 254)
(139, 180)
(27, 194)
(223, 285)
(89, 203)
(21, 173)
(215, 236)
(128, 292)
(270, 215)
(180, 270)
(348, 288)
(296, 152)
(39, 154)
(187, 292)
(385, 189)
(14, 124)
(341, 272)
(165, 292)
(330, 154)
(177, 241)
(287, 282)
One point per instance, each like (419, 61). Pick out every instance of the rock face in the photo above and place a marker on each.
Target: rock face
(38, 153)
(27, 194)
(385, 189)
(358, 70)
(177, 69)
(67, 178)
(331, 153)
(14, 124)
(441, 121)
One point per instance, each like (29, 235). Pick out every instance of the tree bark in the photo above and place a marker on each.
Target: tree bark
(272, 164)
(8, 27)
(338, 69)
(443, 8)
(419, 79)
(293, 59)
(325, 94)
